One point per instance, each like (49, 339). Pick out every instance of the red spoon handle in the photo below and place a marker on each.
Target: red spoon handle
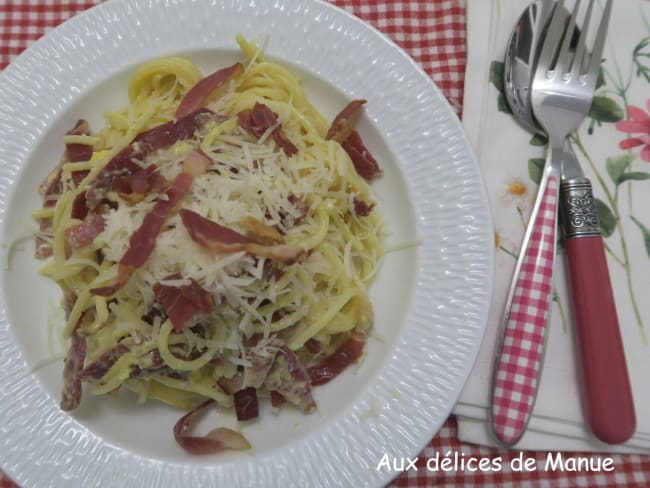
(606, 385)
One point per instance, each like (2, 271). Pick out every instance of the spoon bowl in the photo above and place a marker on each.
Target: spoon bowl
(521, 62)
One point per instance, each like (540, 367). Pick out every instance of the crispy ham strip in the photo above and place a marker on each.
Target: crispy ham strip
(260, 119)
(200, 92)
(184, 305)
(129, 160)
(342, 131)
(364, 162)
(78, 152)
(341, 127)
(216, 440)
(125, 162)
(74, 153)
(262, 232)
(133, 187)
(100, 366)
(143, 240)
(164, 135)
(223, 240)
(333, 365)
(73, 372)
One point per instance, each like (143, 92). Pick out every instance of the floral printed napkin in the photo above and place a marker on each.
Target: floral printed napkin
(613, 146)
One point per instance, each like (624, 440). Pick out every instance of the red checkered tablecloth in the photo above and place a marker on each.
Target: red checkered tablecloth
(433, 33)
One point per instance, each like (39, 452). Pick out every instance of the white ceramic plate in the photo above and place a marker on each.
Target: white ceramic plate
(430, 302)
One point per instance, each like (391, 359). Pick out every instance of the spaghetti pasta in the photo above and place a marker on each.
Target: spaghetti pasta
(199, 251)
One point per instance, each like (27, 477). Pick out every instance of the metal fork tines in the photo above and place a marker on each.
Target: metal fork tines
(565, 79)
(561, 94)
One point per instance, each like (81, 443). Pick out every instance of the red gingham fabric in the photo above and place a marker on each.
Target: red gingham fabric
(520, 359)
(433, 33)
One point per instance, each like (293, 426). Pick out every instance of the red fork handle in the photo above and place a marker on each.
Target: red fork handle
(606, 385)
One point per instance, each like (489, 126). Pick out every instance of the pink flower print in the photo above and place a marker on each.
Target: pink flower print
(639, 123)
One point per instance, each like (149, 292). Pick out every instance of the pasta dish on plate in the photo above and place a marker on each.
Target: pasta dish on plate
(214, 243)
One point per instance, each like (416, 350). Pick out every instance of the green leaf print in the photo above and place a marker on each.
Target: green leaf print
(606, 216)
(601, 78)
(640, 57)
(496, 75)
(645, 232)
(536, 169)
(634, 175)
(616, 166)
(502, 104)
(604, 109)
(496, 78)
(538, 140)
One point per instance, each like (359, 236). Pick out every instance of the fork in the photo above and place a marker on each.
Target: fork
(561, 94)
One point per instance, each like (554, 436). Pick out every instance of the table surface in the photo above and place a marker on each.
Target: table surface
(433, 33)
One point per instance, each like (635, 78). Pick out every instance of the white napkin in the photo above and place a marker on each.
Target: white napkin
(504, 150)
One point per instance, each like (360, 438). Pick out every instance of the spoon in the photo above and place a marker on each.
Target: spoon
(606, 390)
(519, 69)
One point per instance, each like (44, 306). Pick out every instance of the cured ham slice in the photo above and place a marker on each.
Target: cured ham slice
(289, 378)
(72, 372)
(84, 233)
(361, 208)
(342, 131)
(200, 92)
(260, 119)
(185, 304)
(125, 162)
(278, 368)
(214, 441)
(276, 399)
(130, 159)
(364, 162)
(341, 127)
(78, 176)
(246, 404)
(333, 365)
(42, 247)
(78, 152)
(223, 240)
(260, 359)
(135, 186)
(74, 153)
(143, 240)
(100, 366)
(164, 135)
(262, 232)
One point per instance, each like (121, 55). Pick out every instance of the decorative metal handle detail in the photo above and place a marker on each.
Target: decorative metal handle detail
(579, 214)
